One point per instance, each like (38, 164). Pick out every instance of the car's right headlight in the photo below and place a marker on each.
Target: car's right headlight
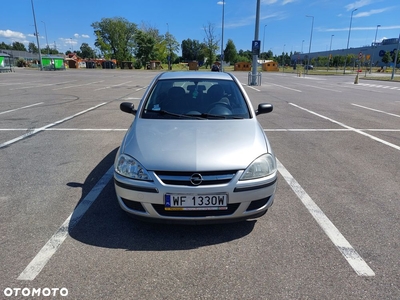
(263, 166)
(129, 167)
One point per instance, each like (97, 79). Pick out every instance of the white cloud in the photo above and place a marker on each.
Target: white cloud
(269, 1)
(12, 34)
(85, 36)
(371, 12)
(288, 1)
(358, 4)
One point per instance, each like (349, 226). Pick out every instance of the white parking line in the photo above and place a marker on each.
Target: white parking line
(11, 110)
(349, 253)
(74, 86)
(40, 260)
(284, 87)
(377, 110)
(34, 131)
(349, 127)
(108, 87)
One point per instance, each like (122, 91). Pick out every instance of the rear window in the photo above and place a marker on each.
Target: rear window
(195, 97)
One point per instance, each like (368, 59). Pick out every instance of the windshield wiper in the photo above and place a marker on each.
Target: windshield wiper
(168, 113)
(212, 116)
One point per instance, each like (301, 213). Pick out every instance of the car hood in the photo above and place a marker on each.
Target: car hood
(195, 145)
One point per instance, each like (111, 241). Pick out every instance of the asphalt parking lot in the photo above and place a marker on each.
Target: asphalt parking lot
(332, 233)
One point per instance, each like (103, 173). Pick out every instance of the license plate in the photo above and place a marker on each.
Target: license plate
(196, 202)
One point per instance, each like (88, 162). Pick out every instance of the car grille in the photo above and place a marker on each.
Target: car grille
(195, 213)
(192, 178)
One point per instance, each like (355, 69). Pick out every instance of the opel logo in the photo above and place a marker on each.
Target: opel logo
(196, 179)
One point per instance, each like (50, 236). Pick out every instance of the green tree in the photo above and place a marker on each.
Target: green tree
(211, 44)
(32, 48)
(115, 38)
(172, 46)
(247, 54)
(393, 55)
(5, 46)
(230, 52)
(145, 47)
(18, 46)
(87, 51)
(387, 58)
(192, 50)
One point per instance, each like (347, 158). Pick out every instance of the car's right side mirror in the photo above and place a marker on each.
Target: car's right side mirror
(127, 107)
(264, 108)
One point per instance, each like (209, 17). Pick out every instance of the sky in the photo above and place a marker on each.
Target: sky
(284, 25)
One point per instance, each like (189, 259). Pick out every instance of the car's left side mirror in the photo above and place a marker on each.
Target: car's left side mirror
(128, 108)
(264, 108)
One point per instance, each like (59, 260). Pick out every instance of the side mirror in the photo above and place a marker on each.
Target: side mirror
(128, 108)
(264, 108)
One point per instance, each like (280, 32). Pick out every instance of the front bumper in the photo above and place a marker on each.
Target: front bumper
(246, 199)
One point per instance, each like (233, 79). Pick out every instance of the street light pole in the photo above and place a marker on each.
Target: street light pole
(47, 43)
(372, 55)
(263, 39)
(348, 40)
(222, 36)
(309, 48)
(283, 54)
(330, 49)
(395, 58)
(37, 37)
(255, 56)
(169, 46)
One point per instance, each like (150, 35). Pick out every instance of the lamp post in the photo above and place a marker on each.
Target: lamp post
(395, 58)
(222, 36)
(37, 37)
(169, 46)
(330, 49)
(263, 39)
(348, 40)
(47, 43)
(254, 64)
(372, 55)
(283, 55)
(309, 48)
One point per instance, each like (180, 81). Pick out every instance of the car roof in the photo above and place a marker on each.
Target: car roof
(195, 75)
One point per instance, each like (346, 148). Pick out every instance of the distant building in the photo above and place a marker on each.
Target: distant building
(374, 52)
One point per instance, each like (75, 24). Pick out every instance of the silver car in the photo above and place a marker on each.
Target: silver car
(195, 152)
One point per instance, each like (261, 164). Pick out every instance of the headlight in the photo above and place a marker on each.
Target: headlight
(261, 167)
(129, 167)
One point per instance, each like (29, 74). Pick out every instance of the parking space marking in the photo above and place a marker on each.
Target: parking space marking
(377, 110)
(34, 131)
(350, 254)
(39, 85)
(111, 86)
(376, 86)
(76, 85)
(11, 110)
(359, 131)
(284, 87)
(321, 88)
(40, 260)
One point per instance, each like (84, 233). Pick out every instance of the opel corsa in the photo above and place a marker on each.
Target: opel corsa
(195, 152)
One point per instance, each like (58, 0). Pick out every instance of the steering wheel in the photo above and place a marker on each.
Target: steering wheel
(219, 103)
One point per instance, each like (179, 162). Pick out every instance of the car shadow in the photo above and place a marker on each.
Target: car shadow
(105, 224)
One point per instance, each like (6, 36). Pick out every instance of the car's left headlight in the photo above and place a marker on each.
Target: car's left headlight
(263, 166)
(129, 167)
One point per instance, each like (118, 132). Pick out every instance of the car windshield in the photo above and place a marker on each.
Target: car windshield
(195, 99)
